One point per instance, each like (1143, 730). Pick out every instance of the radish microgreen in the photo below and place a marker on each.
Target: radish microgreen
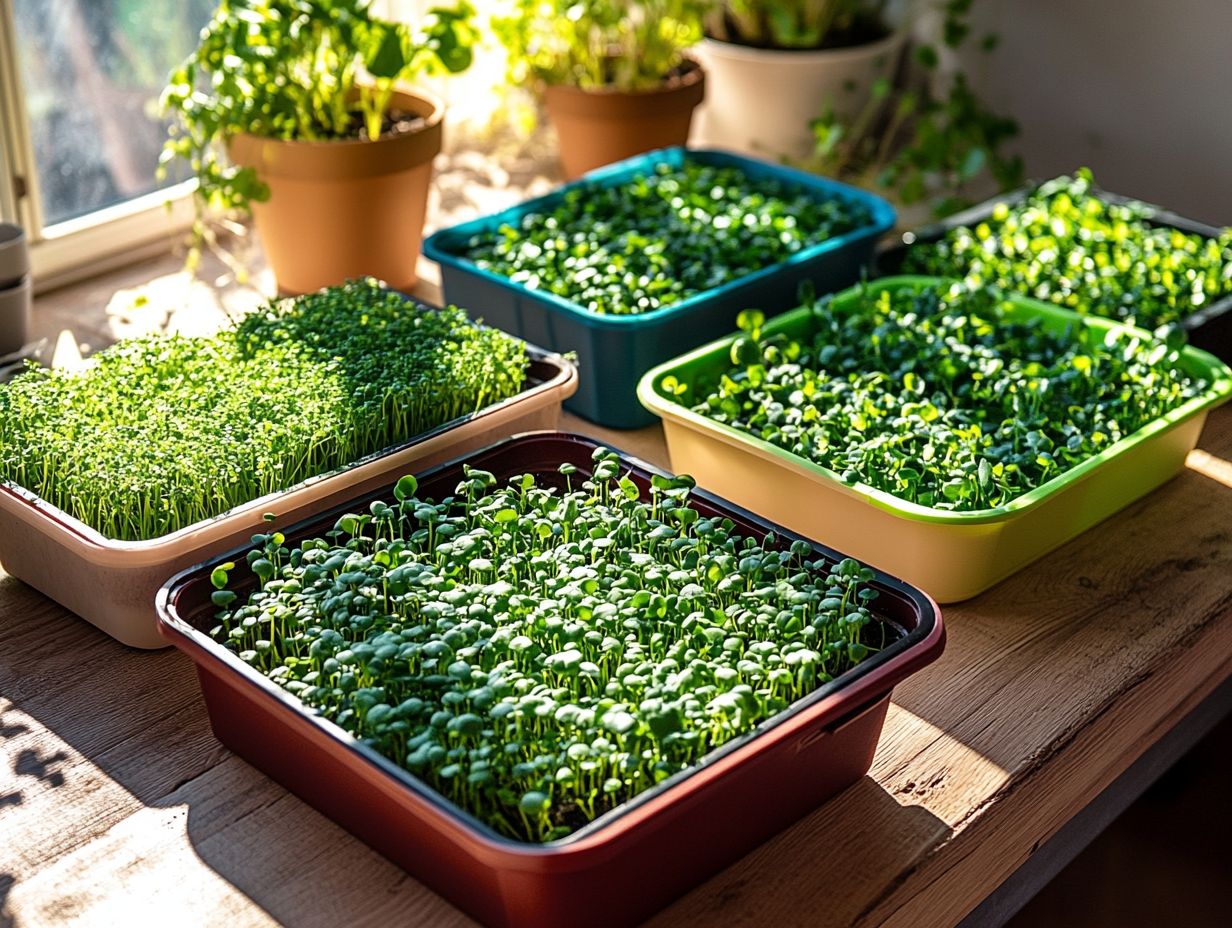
(541, 654)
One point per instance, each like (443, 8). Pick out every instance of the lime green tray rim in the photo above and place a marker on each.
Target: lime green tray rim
(1193, 361)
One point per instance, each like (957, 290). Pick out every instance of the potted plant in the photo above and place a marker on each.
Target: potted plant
(614, 75)
(977, 430)
(548, 672)
(923, 139)
(775, 65)
(292, 110)
(631, 264)
(117, 475)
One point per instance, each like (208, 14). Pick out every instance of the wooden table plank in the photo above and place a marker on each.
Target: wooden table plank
(1152, 881)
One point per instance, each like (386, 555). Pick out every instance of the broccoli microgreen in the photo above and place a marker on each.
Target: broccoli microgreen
(622, 636)
(663, 236)
(938, 395)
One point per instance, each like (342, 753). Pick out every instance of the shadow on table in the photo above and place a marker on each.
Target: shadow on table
(849, 849)
(6, 884)
(1031, 658)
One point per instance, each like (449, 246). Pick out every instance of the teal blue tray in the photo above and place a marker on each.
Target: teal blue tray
(614, 351)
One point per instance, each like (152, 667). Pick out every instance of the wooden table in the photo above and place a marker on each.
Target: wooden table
(1062, 692)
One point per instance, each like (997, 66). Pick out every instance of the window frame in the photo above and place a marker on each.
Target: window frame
(107, 238)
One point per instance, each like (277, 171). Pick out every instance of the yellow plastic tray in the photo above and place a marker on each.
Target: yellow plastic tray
(951, 555)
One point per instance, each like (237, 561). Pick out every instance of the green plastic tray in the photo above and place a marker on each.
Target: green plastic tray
(951, 555)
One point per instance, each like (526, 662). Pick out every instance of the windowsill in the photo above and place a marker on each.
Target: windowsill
(476, 175)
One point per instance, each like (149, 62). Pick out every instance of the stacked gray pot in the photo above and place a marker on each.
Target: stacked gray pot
(14, 289)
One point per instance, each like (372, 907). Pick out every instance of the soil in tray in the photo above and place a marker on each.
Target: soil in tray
(602, 658)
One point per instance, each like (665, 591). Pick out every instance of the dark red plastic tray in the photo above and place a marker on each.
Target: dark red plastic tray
(627, 863)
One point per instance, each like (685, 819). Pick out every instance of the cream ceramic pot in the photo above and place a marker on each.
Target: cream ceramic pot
(760, 101)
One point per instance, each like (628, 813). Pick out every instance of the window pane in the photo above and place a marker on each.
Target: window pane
(93, 70)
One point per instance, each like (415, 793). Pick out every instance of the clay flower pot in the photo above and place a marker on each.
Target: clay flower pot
(597, 127)
(345, 209)
(761, 100)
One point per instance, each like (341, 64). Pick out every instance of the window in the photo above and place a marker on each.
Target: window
(82, 131)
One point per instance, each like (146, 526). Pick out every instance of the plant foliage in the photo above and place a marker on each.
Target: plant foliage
(802, 24)
(596, 44)
(661, 237)
(165, 431)
(542, 651)
(1066, 244)
(941, 395)
(921, 144)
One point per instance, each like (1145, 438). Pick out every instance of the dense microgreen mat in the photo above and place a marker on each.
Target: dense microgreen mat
(165, 431)
(661, 237)
(1066, 245)
(940, 395)
(543, 650)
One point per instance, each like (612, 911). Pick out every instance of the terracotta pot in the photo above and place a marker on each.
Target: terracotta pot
(760, 101)
(597, 127)
(345, 209)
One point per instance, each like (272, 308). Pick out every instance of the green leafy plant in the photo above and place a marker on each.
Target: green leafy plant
(939, 394)
(305, 70)
(805, 24)
(915, 145)
(660, 238)
(1066, 244)
(622, 636)
(165, 431)
(595, 44)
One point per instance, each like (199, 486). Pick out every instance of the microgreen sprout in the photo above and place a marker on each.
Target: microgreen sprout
(165, 431)
(663, 236)
(1066, 245)
(939, 395)
(544, 650)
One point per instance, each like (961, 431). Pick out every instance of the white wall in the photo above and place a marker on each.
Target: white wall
(1138, 90)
